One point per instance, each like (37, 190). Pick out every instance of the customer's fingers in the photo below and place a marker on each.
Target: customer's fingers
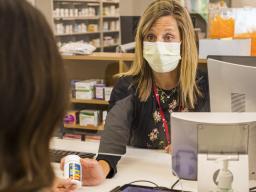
(62, 161)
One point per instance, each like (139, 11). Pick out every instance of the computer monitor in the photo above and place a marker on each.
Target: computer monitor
(232, 83)
(228, 133)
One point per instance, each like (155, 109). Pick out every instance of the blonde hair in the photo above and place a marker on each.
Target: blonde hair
(188, 64)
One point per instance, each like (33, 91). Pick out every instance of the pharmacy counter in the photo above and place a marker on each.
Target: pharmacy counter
(137, 164)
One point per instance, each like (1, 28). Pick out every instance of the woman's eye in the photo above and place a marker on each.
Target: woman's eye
(168, 38)
(150, 37)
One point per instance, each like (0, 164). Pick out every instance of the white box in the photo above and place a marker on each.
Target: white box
(231, 47)
(107, 93)
(85, 85)
(85, 94)
(89, 117)
(104, 116)
(99, 91)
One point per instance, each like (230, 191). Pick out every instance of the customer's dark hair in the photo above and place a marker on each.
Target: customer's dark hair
(33, 96)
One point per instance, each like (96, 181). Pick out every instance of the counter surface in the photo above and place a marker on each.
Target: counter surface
(136, 164)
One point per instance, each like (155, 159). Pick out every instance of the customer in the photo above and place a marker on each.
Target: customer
(33, 95)
(163, 79)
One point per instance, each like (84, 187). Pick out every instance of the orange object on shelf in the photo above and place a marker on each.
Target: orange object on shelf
(254, 46)
(249, 36)
(221, 27)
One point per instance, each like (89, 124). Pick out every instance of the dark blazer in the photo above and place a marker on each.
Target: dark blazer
(129, 120)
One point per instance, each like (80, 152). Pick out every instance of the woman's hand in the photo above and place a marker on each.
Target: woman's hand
(63, 185)
(93, 172)
(168, 149)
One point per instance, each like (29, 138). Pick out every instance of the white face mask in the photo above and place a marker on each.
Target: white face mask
(162, 57)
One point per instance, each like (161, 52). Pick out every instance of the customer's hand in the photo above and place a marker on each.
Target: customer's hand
(63, 185)
(93, 172)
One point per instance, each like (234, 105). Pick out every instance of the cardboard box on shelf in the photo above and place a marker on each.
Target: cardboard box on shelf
(89, 117)
(99, 91)
(107, 93)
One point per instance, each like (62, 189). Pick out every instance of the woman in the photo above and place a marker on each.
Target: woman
(33, 96)
(163, 79)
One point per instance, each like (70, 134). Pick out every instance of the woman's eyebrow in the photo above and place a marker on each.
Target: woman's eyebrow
(151, 31)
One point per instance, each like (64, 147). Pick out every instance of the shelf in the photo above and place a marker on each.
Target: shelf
(115, 31)
(77, 18)
(90, 101)
(80, 15)
(89, 1)
(110, 2)
(84, 33)
(110, 17)
(102, 56)
(106, 46)
(88, 127)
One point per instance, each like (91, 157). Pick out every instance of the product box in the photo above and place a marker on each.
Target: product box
(107, 93)
(89, 117)
(85, 85)
(99, 91)
(104, 116)
(72, 136)
(84, 89)
(71, 117)
(85, 94)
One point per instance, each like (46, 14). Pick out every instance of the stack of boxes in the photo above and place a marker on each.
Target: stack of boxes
(87, 90)
(91, 89)
(83, 89)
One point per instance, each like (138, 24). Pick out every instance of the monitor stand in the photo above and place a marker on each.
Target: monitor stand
(223, 172)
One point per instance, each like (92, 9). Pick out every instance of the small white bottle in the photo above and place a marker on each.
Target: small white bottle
(73, 169)
(62, 13)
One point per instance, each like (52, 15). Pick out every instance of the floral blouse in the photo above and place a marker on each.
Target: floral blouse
(169, 102)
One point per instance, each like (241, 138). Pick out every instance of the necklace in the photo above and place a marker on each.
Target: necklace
(168, 96)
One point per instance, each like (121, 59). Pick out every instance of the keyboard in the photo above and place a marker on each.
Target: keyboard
(57, 155)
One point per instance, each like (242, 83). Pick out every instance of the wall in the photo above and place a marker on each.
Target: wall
(31, 1)
(242, 3)
(133, 7)
(45, 6)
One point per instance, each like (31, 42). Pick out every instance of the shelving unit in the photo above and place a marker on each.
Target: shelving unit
(91, 101)
(110, 25)
(85, 33)
(76, 18)
(92, 66)
(88, 127)
(93, 21)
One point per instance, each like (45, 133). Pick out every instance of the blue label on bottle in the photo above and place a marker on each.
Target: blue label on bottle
(74, 171)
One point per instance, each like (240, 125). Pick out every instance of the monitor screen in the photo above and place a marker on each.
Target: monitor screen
(232, 83)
